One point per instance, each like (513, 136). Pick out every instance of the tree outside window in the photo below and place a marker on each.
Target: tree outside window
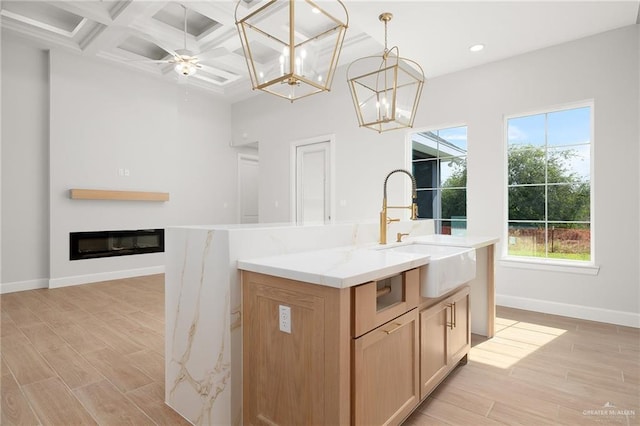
(439, 163)
(549, 185)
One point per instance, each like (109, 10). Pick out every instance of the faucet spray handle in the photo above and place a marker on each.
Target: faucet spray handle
(414, 211)
(389, 220)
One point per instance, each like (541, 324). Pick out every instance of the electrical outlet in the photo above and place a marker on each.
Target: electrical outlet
(285, 319)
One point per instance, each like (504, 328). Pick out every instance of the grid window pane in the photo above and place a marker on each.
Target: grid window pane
(569, 241)
(526, 203)
(454, 203)
(549, 185)
(570, 164)
(527, 130)
(456, 137)
(453, 172)
(569, 202)
(454, 227)
(425, 173)
(569, 127)
(526, 239)
(526, 165)
(427, 204)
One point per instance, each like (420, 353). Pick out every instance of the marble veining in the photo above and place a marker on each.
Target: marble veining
(203, 303)
(212, 382)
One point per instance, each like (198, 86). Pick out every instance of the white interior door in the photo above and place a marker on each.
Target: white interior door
(312, 185)
(248, 183)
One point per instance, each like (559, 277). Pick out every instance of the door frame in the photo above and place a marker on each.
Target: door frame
(240, 158)
(331, 138)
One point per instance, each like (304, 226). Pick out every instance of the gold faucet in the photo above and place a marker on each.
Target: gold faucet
(384, 219)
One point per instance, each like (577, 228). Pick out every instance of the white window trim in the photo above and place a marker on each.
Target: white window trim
(544, 263)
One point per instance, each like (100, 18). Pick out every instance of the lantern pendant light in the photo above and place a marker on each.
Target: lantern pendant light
(292, 46)
(385, 89)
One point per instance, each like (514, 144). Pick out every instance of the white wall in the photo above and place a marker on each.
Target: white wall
(363, 157)
(25, 166)
(604, 68)
(170, 139)
(69, 123)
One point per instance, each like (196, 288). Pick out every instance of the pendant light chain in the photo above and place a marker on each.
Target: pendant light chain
(385, 17)
(386, 21)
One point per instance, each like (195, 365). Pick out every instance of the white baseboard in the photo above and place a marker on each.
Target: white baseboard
(104, 276)
(23, 285)
(629, 319)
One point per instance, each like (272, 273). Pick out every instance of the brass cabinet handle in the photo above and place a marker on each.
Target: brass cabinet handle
(394, 329)
(452, 324)
(453, 314)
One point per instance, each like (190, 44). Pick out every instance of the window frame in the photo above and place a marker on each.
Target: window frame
(409, 162)
(548, 263)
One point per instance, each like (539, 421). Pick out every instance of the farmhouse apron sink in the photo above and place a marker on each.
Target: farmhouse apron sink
(448, 267)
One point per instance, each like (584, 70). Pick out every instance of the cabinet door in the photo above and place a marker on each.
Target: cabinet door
(433, 347)
(385, 372)
(300, 376)
(459, 330)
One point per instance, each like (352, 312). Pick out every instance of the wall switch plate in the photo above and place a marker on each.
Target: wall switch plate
(285, 318)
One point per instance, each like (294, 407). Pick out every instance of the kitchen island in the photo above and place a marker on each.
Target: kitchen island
(203, 350)
(347, 336)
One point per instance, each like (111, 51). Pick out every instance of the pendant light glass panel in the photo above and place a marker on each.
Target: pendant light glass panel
(292, 46)
(386, 91)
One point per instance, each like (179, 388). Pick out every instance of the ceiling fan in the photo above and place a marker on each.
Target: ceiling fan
(186, 62)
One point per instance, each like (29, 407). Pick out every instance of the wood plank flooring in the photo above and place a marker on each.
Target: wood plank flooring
(542, 370)
(85, 355)
(93, 354)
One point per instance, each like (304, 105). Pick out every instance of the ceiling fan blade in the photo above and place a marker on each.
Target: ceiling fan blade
(151, 61)
(214, 53)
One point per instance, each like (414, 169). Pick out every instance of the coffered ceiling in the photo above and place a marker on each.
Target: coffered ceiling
(135, 33)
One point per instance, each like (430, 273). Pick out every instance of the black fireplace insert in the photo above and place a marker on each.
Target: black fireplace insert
(91, 245)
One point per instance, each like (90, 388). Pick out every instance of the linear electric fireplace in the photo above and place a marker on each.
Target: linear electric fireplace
(90, 245)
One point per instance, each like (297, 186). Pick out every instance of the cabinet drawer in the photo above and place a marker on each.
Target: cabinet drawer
(378, 302)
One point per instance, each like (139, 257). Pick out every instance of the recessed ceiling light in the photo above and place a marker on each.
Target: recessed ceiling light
(476, 47)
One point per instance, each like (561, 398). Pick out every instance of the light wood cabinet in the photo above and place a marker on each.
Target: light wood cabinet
(385, 372)
(434, 338)
(445, 338)
(302, 377)
(365, 355)
(459, 326)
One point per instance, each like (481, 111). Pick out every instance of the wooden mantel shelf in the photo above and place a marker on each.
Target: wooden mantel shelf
(101, 194)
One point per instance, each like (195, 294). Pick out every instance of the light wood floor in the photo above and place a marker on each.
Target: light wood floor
(93, 354)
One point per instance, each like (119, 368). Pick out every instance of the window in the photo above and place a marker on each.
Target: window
(549, 185)
(439, 160)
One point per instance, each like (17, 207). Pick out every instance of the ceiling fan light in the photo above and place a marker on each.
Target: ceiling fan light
(185, 68)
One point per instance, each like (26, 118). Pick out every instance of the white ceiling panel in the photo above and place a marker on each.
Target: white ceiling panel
(436, 34)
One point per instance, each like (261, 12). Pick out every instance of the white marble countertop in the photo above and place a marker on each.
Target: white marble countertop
(451, 240)
(343, 267)
(339, 267)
